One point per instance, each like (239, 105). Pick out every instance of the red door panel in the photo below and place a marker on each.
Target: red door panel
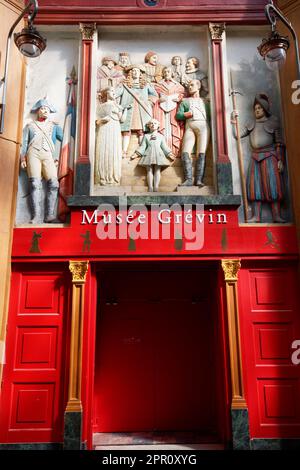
(32, 397)
(154, 352)
(269, 323)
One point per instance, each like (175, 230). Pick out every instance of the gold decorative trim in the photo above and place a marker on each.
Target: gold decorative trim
(216, 31)
(74, 405)
(231, 268)
(87, 30)
(79, 270)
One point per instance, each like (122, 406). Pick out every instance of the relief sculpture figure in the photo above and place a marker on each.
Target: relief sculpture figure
(177, 68)
(155, 154)
(152, 68)
(124, 62)
(108, 74)
(138, 97)
(109, 139)
(38, 157)
(195, 112)
(193, 72)
(264, 179)
(170, 94)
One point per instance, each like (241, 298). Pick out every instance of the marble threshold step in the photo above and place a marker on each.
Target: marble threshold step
(160, 447)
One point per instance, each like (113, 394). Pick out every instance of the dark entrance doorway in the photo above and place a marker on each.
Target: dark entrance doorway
(158, 364)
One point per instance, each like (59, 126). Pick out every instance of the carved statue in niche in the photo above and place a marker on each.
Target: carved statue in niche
(170, 93)
(108, 74)
(177, 68)
(39, 159)
(153, 69)
(195, 112)
(155, 154)
(108, 138)
(135, 91)
(124, 62)
(192, 72)
(264, 180)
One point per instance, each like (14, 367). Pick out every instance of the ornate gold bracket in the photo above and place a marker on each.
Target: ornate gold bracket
(87, 30)
(216, 31)
(231, 268)
(79, 271)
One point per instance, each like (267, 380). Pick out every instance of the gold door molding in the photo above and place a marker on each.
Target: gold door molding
(231, 268)
(79, 271)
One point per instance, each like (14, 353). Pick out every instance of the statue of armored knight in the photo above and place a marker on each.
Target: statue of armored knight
(264, 179)
(39, 160)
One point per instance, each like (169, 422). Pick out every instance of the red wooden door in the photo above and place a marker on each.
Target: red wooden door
(32, 399)
(270, 321)
(154, 367)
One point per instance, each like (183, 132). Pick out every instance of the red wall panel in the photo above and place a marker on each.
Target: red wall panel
(32, 400)
(269, 324)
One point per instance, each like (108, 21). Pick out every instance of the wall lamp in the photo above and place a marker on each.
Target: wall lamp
(29, 42)
(273, 49)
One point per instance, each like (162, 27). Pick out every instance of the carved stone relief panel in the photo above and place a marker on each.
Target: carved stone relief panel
(152, 120)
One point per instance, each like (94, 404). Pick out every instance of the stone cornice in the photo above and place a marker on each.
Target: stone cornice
(199, 13)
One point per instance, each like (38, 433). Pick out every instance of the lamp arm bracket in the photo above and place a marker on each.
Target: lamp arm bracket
(271, 13)
(31, 8)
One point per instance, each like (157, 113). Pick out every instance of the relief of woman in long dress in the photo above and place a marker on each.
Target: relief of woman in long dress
(109, 138)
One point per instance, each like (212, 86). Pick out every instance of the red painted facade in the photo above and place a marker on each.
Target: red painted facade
(143, 297)
(34, 382)
(269, 323)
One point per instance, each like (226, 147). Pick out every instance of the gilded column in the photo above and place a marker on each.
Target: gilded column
(223, 164)
(83, 164)
(239, 410)
(73, 413)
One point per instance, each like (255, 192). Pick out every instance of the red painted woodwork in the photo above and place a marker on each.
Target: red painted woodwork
(135, 11)
(32, 399)
(88, 355)
(269, 314)
(139, 4)
(86, 70)
(220, 240)
(156, 366)
(222, 146)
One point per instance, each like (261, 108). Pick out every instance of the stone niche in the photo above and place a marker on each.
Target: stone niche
(137, 41)
(62, 56)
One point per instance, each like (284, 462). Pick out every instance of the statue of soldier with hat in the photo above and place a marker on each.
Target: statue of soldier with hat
(39, 160)
(264, 179)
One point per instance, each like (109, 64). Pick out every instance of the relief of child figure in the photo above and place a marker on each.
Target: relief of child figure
(155, 154)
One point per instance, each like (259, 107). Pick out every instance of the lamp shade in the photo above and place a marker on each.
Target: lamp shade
(29, 42)
(273, 50)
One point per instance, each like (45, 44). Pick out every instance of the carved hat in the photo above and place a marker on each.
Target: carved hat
(108, 59)
(41, 103)
(263, 100)
(135, 66)
(149, 55)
